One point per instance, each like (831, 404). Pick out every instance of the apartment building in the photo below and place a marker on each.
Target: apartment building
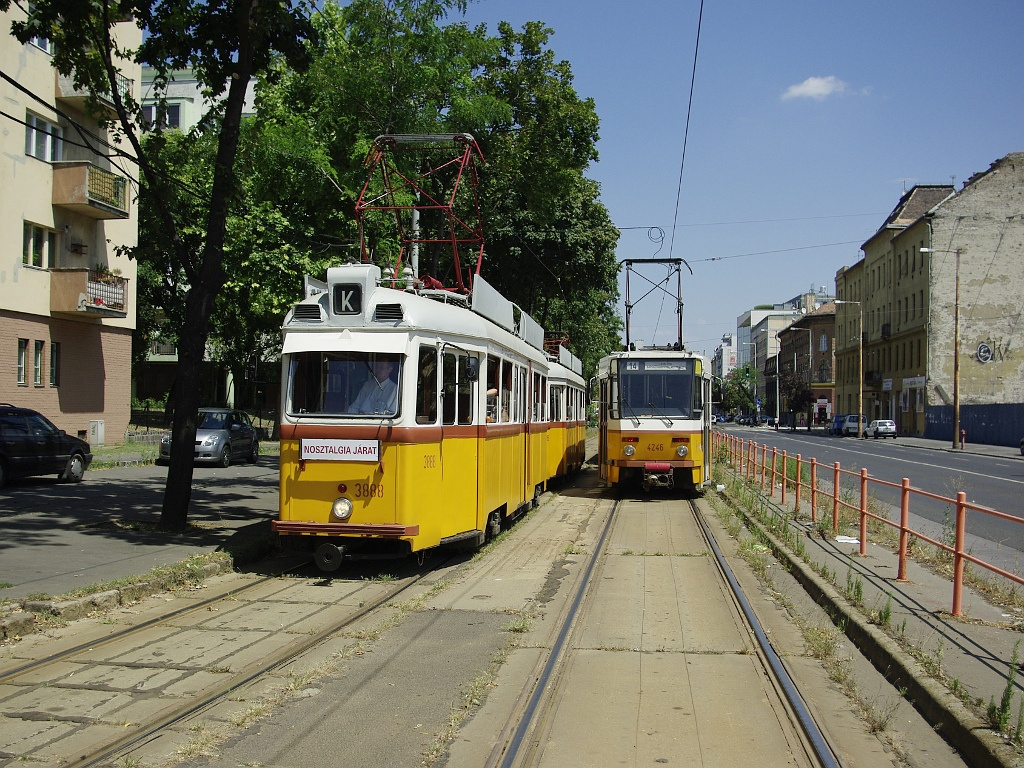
(936, 305)
(67, 295)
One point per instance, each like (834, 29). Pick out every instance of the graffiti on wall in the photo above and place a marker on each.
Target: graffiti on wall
(992, 351)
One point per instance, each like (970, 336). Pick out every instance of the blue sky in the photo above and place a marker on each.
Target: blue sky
(809, 120)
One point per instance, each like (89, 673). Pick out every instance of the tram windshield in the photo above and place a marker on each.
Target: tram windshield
(659, 388)
(344, 384)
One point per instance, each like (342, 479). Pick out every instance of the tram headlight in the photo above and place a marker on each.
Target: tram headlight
(682, 450)
(629, 450)
(341, 509)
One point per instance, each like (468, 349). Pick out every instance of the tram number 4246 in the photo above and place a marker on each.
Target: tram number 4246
(655, 447)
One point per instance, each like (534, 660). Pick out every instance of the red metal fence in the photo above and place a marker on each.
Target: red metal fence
(761, 465)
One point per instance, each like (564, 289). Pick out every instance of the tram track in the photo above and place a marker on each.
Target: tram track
(112, 685)
(531, 726)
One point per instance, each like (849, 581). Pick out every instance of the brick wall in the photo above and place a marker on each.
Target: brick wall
(95, 373)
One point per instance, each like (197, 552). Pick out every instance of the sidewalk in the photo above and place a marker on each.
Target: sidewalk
(950, 668)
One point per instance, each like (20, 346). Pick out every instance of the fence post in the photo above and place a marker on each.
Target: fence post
(835, 499)
(814, 490)
(958, 551)
(784, 475)
(775, 458)
(797, 482)
(901, 574)
(863, 512)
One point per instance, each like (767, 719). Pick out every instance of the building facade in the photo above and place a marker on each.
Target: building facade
(67, 293)
(806, 349)
(939, 289)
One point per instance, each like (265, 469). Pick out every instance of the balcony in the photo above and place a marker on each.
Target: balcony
(82, 294)
(88, 189)
(66, 92)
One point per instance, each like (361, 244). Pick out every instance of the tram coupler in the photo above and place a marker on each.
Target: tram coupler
(658, 474)
(328, 557)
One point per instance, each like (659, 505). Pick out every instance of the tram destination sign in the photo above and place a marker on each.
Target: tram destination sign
(339, 450)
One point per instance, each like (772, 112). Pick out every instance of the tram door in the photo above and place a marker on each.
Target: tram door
(602, 442)
(459, 446)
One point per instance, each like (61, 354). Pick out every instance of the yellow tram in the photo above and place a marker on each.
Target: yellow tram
(415, 418)
(654, 418)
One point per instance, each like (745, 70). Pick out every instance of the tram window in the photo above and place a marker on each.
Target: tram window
(657, 388)
(556, 403)
(448, 380)
(456, 390)
(493, 387)
(426, 386)
(506, 391)
(539, 388)
(465, 390)
(344, 383)
(520, 415)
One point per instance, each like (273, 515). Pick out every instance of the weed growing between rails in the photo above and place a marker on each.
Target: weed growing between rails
(774, 522)
(823, 639)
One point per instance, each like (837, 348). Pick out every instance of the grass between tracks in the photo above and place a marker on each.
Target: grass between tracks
(822, 641)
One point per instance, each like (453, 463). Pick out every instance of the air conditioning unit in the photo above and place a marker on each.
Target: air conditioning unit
(96, 427)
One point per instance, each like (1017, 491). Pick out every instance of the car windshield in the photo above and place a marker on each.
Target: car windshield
(344, 383)
(212, 420)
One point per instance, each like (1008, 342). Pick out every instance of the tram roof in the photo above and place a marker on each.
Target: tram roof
(370, 312)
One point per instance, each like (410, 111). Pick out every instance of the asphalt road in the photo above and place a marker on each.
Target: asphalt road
(994, 479)
(57, 537)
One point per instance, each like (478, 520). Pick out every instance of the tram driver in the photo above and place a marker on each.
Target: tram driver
(380, 393)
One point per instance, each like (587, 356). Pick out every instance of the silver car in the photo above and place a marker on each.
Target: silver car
(222, 436)
(881, 428)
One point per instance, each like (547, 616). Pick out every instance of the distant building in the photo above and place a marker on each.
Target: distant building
(184, 103)
(806, 348)
(902, 300)
(67, 297)
(725, 357)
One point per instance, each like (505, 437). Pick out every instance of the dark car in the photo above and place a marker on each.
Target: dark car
(222, 435)
(31, 445)
(835, 427)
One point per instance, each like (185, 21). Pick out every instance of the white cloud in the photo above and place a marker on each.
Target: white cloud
(815, 88)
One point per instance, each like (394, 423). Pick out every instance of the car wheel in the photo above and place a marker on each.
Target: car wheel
(75, 469)
(254, 454)
(225, 456)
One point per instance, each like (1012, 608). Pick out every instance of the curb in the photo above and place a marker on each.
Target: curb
(33, 613)
(967, 733)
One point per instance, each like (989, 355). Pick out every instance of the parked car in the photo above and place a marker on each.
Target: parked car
(222, 435)
(31, 445)
(881, 428)
(835, 426)
(851, 427)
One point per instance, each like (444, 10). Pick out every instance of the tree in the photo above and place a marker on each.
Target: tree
(795, 393)
(224, 42)
(738, 389)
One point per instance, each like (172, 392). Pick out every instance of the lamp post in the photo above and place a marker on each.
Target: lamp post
(956, 347)
(753, 344)
(860, 361)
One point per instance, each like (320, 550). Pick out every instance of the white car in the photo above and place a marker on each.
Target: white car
(881, 428)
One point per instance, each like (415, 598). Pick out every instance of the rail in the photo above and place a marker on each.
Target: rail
(761, 466)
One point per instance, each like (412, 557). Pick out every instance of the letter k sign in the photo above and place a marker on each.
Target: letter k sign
(348, 299)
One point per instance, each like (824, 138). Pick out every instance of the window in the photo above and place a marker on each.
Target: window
(22, 359)
(39, 246)
(171, 116)
(426, 386)
(43, 139)
(456, 390)
(54, 363)
(37, 364)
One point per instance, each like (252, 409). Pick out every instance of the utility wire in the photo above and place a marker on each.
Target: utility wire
(686, 130)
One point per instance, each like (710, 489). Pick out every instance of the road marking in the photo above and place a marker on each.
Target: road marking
(919, 463)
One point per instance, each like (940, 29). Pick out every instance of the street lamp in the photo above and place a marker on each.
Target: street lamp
(956, 347)
(860, 361)
(757, 409)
